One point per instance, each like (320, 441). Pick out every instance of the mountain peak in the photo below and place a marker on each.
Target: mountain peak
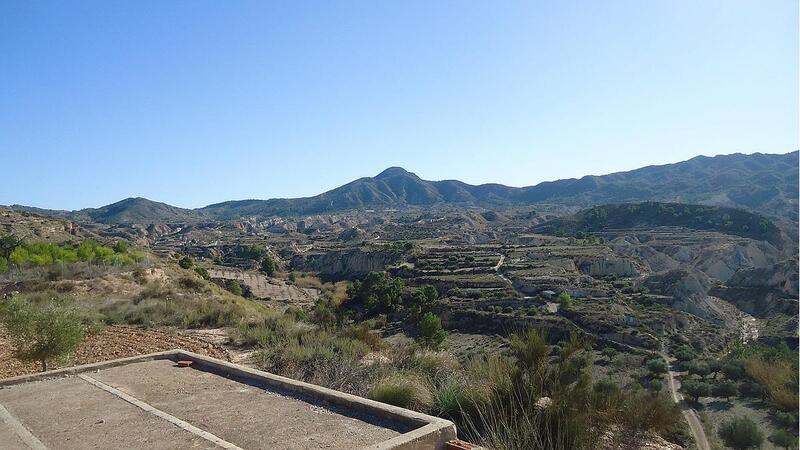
(393, 172)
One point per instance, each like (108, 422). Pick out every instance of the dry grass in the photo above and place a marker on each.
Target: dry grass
(778, 377)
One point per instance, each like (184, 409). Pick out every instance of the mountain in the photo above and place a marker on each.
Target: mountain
(656, 214)
(763, 183)
(760, 182)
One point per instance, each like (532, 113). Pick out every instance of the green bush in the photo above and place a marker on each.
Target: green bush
(656, 385)
(565, 300)
(423, 298)
(186, 262)
(268, 266)
(783, 438)
(657, 366)
(740, 433)
(684, 353)
(377, 291)
(120, 247)
(432, 334)
(235, 288)
(203, 272)
(42, 332)
(40, 253)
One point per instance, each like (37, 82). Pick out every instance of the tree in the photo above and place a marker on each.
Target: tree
(423, 298)
(715, 367)
(431, 332)
(698, 368)
(656, 385)
(377, 291)
(726, 389)
(565, 300)
(42, 333)
(657, 366)
(268, 266)
(186, 262)
(740, 433)
(235, 288)
(696, 389)
(684, 353)
(609, 352)
(8, 244)
(292, 277)
(734, 370)
(783, 438)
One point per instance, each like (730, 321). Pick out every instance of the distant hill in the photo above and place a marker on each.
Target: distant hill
(656, 214)
(764, 183)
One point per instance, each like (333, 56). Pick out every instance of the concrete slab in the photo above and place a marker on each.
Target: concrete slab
(248, 416)
(149, 402)
(68, 413)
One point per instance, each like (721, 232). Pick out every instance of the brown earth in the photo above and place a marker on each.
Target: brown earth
(111, 343)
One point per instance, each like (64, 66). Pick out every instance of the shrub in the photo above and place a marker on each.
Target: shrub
(698, 368)
(235, 288)
(362, 333)
(565, 300)
(725, 389)
(268, 266)
(423, 298)
(377, 291)
(186, 262)
(656, 385)
(657, 366)
(684, 353)
(292, 277)
(740, 433)
(41, 333)
(783, 438)
(734, 370)
(431, 332)
(203, 272)
(120, 247)
(609, 352)
(778, 378)
(403, 390)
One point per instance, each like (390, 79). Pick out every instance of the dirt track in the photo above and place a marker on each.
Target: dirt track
(691, 416)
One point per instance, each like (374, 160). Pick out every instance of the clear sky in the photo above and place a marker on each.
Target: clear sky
(196, 102)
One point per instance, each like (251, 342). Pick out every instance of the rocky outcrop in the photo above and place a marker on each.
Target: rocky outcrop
(345, 264)
(763, 291)
(601, 267)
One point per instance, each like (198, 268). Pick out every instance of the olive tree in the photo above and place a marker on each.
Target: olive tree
(42, 333)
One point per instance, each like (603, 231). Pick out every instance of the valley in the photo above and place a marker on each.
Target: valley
(438, 295)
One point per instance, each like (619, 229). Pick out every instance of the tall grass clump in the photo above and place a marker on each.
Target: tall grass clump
(404, 390)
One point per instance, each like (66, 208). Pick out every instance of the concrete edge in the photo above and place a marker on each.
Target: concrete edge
(74, 370)
(430, 433)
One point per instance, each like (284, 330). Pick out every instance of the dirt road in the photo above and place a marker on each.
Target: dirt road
(690, 414)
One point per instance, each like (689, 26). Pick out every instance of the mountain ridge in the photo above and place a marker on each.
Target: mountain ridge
(764, 183)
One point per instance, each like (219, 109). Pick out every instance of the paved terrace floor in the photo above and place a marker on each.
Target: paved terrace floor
(156, 405)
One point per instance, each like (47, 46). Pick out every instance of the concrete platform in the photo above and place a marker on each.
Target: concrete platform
(150, 402)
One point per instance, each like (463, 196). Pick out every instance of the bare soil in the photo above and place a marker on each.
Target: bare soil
(111, 343)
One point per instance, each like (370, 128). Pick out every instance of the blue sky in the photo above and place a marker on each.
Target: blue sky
(195, 102)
